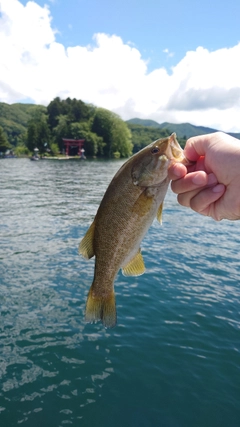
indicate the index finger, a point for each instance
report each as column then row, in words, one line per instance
column 197, row 146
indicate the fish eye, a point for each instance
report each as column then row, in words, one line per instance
column 155, row 150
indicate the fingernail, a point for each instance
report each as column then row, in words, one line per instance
column 177, row 171
column 218, row 188
column 199, row 179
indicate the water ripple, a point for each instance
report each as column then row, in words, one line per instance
column 172, row 360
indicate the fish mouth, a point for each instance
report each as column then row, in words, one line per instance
column 177, row 151
column 186, row 162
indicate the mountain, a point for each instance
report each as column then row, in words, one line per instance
column 142, row 122
column 183, row 130
column 14, row 118
column 186, row 130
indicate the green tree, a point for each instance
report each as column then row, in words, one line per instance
column 93, row 142
column 54, row 111
column 22, row 139
column 77, row 129
column 144, row 135
column 75, row 110
column 44, row 138
column 102, row 127
column 121, row 139
column 62, row 130
column 14, row 119
column 54, row 149
column 4, row 144
column 79, row 111
column 21, row 150
column 114, row 132
column 38, row 135
column 32, row 136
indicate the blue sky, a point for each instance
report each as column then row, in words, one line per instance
column 152, row 26
column 175, row 60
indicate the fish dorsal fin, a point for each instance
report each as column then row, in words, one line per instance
column 159, row 213
column 135, row 267
column 86, row 244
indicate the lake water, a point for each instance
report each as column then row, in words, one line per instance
column 173, row 360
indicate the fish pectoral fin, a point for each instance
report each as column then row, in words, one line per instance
column 86, row 244
column 101, row 308
column 159, row 213
column 135, row 267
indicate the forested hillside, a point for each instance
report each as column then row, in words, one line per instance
column 144, row 135
column 27, row 126
column 183, row 130
column 14, row 119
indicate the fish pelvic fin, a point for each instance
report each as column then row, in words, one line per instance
column 159, row 213
column 101, row 308
column 135, row 267
column 86, row 244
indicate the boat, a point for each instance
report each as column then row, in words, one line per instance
column 9, row 155
column 35, row 156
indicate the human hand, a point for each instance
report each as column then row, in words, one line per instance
column 211, row 186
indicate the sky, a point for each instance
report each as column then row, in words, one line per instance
column 170, row 61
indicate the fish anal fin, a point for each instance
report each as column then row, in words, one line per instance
column 159, row 213
column 86, row 244
column 101, row 308
column 135, row 267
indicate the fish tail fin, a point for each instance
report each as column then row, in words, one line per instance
column 101, row 308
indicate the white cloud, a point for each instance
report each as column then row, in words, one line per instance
column 169, row 54
column 203, row 88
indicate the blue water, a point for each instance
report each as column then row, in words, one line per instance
column 174, row 358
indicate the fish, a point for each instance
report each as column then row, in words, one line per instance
column 132, row 200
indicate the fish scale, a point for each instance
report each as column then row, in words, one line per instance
column 132, row 200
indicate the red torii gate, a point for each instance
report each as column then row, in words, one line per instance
column 74, row 143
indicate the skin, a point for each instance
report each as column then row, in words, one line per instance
column 211, row 185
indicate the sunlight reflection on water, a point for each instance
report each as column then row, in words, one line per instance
column 172, row 360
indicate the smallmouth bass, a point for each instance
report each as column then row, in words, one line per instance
column 132, row 200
